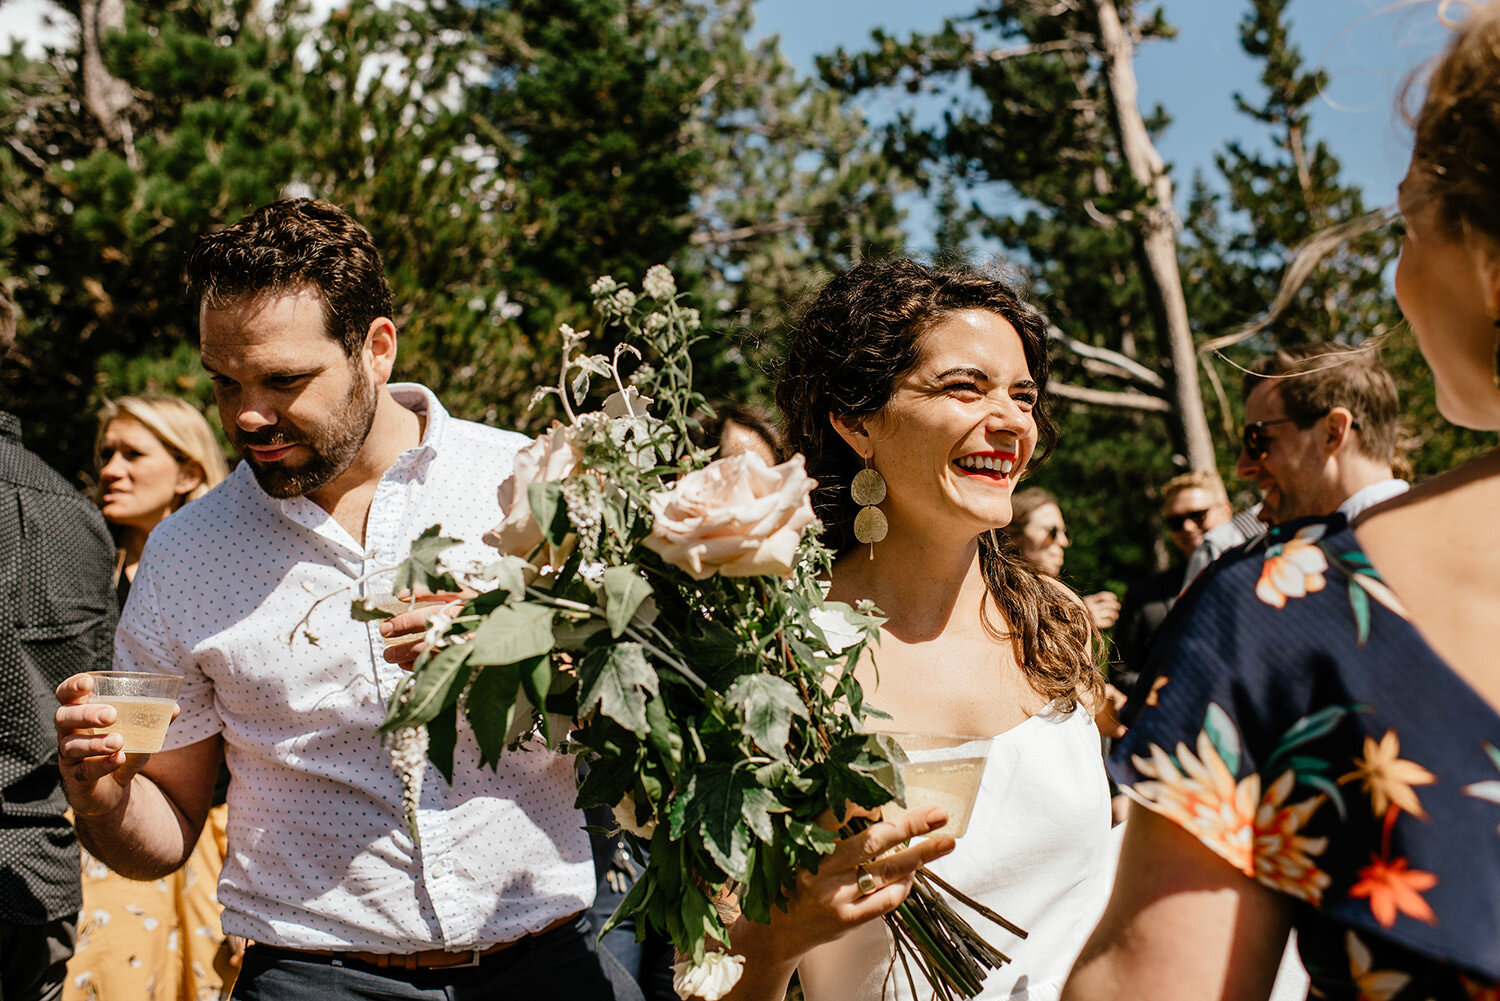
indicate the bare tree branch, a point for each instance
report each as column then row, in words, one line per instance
column 26, row 153
column 748, row 232
column 1104, row 398
column 1126, row 366
column 982, row 56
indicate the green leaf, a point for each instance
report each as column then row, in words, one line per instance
column 432, row 683
column 1310, row 728
column 1493, row 753
column 536, row 682
column 756, row 808
column 442, row 738
column 700, row 920
column 607, row 781
column 715, row 808
column 1359, row 603
column 1329, row 788
column 635, row 900
column 677, row 817
column 419, row 572
column 549, row 510
column 1224, row 737
column 782, row 775
column 617, row 680
column 664, row 736
column 490, row 707
column 624, row 590
column 850, row 775
column 511, row 634
column 767, row 704
column 360, row 610
column 509, row 574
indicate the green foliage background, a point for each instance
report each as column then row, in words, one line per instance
column 504, row 153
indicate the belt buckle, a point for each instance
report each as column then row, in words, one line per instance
column 475, row 955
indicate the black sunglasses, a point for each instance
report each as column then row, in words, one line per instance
column 1257, row 443
column 1176, row 522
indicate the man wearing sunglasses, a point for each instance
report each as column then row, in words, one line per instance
column 1320, row 432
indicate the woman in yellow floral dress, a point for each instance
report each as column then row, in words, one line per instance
column 1323, row 746
column 161, row 940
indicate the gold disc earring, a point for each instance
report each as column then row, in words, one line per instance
column 868, row 489
column 1497, row 354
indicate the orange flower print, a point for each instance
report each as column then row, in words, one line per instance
column 1294, row 568
column 1391, row 887
column 1389, row 778
column 1478, row 991
column 1373, row 985
column 1153, row 697
column 1283, row 857
column 1203, row 798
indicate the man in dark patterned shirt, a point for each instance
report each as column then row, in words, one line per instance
column 57, row 617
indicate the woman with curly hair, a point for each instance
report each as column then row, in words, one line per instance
column 918, row 397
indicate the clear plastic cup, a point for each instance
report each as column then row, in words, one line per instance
column 939, row 770
column 143, row 706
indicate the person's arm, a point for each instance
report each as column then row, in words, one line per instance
column 827, row 904
column 1181, row 925
column 139, row 814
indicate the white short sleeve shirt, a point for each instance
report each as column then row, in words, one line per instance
column 319, row 856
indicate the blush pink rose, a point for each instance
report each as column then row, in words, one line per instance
column 736, row 516
column 554, row 455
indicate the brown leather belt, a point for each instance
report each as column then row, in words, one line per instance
column 431, row 959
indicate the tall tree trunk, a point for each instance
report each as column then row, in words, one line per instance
column 1163, row 282
column 106, row 97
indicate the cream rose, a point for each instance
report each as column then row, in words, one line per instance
column 552, row 456
column 711, row 979
column 736, row 516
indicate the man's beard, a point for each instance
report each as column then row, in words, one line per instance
column 333, row 445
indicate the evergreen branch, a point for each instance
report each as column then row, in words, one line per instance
column 983, row 57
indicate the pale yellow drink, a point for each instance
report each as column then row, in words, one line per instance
column 141, row 721
column 143, row 706
column 951, row 783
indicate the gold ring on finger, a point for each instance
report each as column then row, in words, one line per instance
column 866, row 883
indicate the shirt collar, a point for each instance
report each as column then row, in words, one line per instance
column 421, row 401
column 413, row 463
column 1369, row 496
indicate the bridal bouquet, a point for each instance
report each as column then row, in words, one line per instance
column 658, row 612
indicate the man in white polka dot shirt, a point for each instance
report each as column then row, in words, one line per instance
column 341, row 470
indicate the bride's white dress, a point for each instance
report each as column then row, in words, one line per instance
column 1038, row 850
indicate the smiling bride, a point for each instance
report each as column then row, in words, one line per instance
column 917, row 396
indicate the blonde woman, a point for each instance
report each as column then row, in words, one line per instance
column 158, row 940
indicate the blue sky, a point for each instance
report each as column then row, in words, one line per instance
column 1367, row 46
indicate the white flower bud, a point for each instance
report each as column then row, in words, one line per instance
column 711, row 979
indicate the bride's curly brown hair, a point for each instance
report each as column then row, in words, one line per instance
column 856, row 340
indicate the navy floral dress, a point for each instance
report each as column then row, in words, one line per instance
column 1302, row 729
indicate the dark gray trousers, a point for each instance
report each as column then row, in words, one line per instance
column 558, row 964
column 34, row 959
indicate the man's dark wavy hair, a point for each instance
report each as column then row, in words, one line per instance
column 288, row 246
